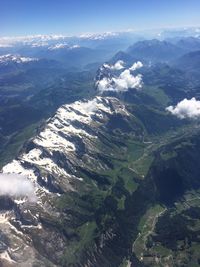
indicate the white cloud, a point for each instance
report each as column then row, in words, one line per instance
column 16, row 185
column 117, row 66
column 136, row 65
column 122, row 82
column 186, row 109
column 126, row 80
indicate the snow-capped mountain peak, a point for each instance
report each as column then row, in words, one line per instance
column 62, row 46
column 54, row 161
column 78, row 121
column 100, row 36
column 16, row 59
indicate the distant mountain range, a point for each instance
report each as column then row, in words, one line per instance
column 154, row 51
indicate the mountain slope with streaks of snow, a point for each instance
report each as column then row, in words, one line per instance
column 64, row 162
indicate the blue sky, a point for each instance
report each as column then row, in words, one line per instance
column 22, row 17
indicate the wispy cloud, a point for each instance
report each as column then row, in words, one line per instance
column 187, row 108
column 16, row 185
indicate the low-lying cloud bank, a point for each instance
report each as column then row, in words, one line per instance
column 16, row 185
column 187, row 108
column 122, row 82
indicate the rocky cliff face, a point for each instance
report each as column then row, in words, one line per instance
column 68, row 163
